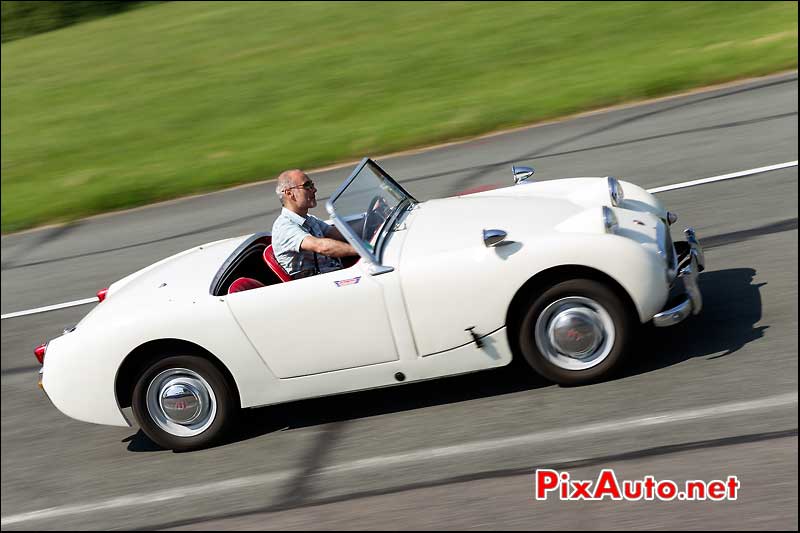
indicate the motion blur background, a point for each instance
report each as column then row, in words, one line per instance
column 107, row 105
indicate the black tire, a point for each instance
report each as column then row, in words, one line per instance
column 184, row 371
column 591, row 299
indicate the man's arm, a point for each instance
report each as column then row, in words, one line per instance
column 334, row 233
column 327, row 246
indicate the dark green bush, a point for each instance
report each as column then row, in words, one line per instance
column 25, row 18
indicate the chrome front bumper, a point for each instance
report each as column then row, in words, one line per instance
column 691, row 261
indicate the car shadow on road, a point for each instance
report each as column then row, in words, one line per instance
column 341, row 408
column 731, row 308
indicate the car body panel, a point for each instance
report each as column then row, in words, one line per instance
column 184, row 273
column 444, row 259
column 318, row 324
column 89, row 357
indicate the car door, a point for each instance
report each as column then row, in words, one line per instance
column 323, row 323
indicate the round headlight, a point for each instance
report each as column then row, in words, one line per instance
column 615, row 191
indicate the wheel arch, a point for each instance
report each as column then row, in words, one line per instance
column 547, row 278
column 145, row 354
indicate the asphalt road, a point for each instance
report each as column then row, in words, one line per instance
column 714, row 396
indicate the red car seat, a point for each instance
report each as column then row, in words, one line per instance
column 244, row 284
column 272, row 263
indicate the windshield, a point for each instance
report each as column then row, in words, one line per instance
column 366, row 201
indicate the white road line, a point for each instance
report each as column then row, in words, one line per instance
column 154, row 497
column 51, row 307
column 712, row 179
column 419, row 456
column 613, row 426
column 723, row 177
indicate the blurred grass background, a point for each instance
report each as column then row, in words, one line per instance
column 177, row 98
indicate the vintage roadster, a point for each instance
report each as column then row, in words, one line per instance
column 557, row 273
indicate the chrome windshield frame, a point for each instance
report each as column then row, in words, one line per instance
column 374, row 265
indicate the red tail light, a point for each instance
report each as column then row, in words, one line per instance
column 101, row 294
column 39, row 353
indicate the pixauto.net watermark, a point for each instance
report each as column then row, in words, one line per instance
column 550, row 483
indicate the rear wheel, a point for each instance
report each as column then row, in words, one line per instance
column 183, row 403
column 576, row 332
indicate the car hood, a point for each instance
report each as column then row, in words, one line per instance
column 524, row 211
column 443, row 225
column 584, row 192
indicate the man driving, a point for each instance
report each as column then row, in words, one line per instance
column 303, row 244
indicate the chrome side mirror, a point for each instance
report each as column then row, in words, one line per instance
column 521, row 174
column 494, row 237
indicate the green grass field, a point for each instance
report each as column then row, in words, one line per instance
column 185, row 97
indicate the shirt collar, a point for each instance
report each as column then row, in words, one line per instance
column 294, row 217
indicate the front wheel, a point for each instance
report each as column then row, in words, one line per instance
column 576, row 332
column 183, row 403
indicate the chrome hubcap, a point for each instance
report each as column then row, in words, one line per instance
column 575, row 333
column 181, row 402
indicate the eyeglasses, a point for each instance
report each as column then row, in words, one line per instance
column 308, row 185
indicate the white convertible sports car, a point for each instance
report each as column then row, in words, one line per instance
column 558, row 273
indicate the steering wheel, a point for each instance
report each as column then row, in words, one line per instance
column 376, row 214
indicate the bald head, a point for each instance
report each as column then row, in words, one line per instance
column 291, row 192
column 286, row 179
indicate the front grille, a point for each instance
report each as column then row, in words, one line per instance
column 667, row 251
column 672, row 260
